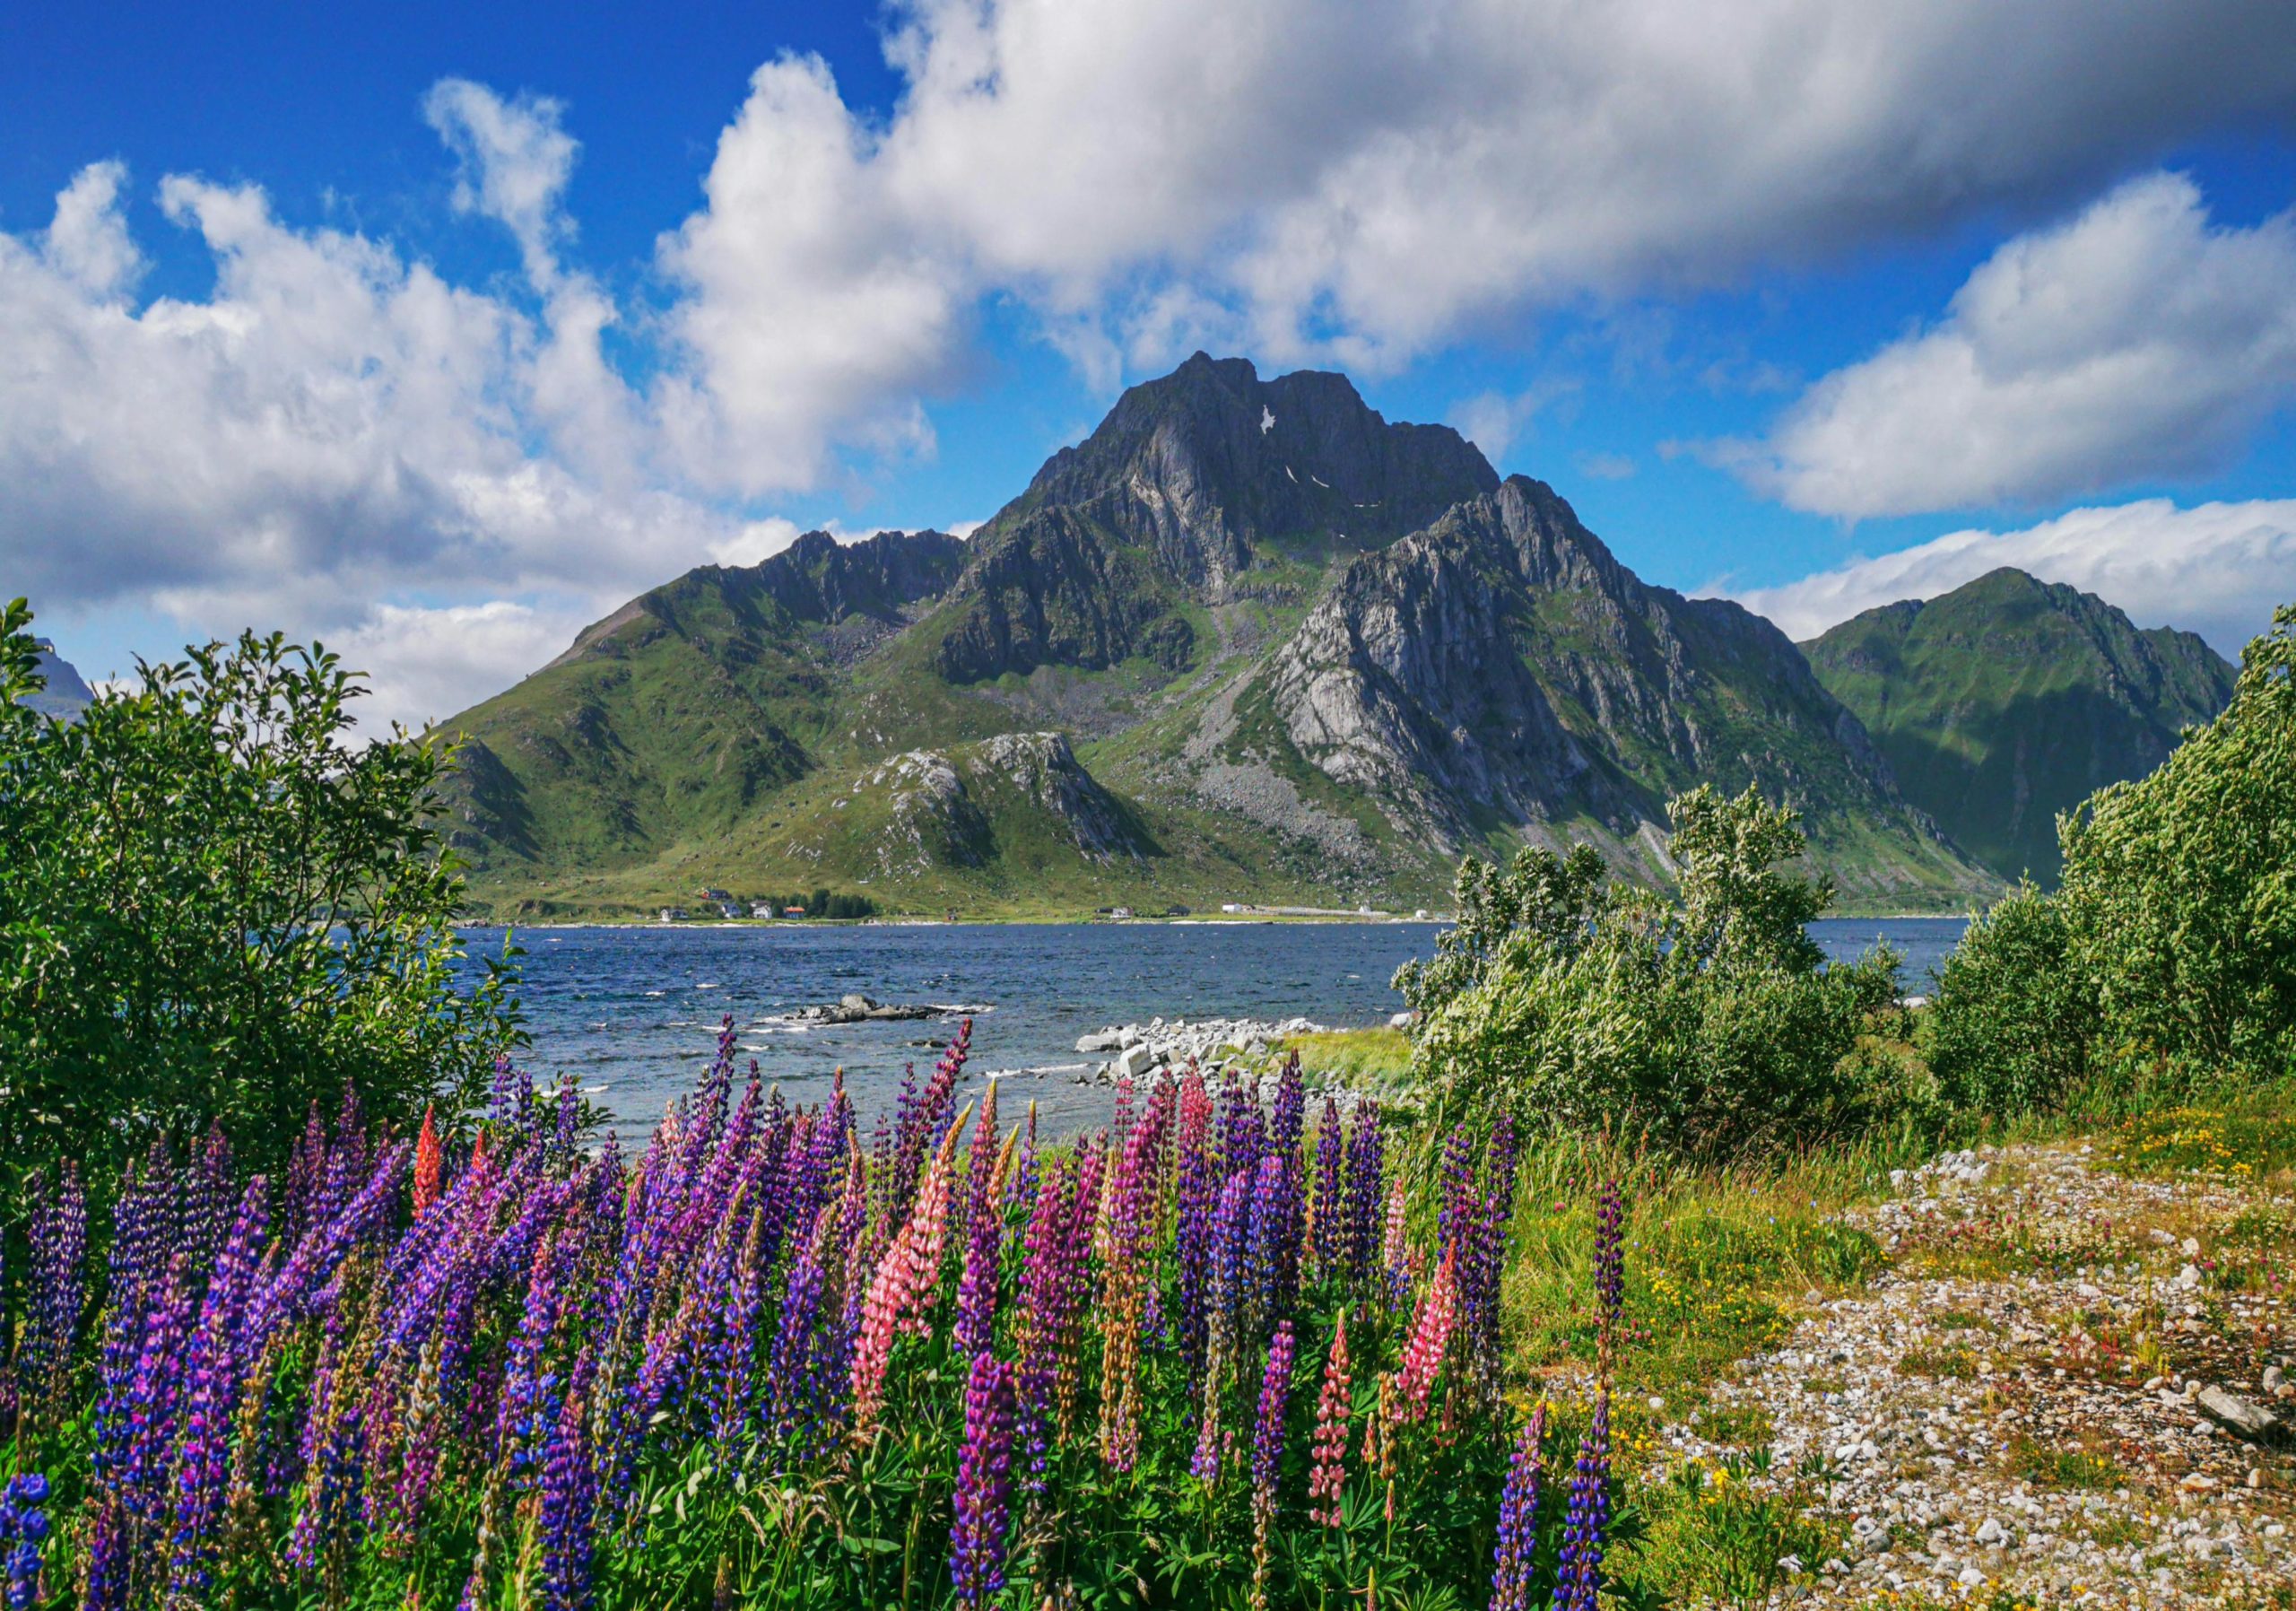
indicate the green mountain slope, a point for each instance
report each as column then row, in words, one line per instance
column 2009, row 700
column 1248, row 641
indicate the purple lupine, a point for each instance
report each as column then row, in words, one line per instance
column 1366, row 1191
column 1325, row 1213
column 1610, row 1269
column 1518, row 1532
column 1264, row 1237
column 796, row 1380
column 23, row 1528
column 569, row 1503
column 982, row 1501
column 58, row 1235
column 1267, row 1454
column 1486, row 1260
column 983, row 1230
column 1198, row 1198
column 212, row 1377
column 1040, row 1313
column 105, row 1549
column 1267, row 1431
column 1580, row 1570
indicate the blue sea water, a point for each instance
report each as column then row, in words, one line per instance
column 633, row 1013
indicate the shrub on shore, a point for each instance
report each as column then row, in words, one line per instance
column 1707, row 1022
column 216, row 907
column 2167, row 956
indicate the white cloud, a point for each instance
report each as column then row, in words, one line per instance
column 1495, row 421
column 422, row 663
column 1606, row 467
column 1362, row 183
column 331, row 432
column 2217, row 569
column 2135, row 342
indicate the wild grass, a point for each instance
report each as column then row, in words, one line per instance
column 1375, row 1060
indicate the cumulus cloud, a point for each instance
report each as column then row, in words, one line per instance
column 2137, row 341
column 2216, row 569
column 1363, row 183
column 334, row 430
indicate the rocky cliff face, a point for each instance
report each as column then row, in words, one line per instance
column 968, row 806
column 2009, row 700
column 1502, row 669
column 1190, row 482
column 67, row 693
column 1308, row 653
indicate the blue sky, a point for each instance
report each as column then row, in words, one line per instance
column 437, row 330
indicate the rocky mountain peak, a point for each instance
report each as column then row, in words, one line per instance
column 1209, row 462
column 67, row 693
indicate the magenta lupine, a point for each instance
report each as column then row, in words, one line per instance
column 1328, row 1473
column 1586, row 1525
column 1519, row 1529
column 983, row 1498
column 1051, row 1277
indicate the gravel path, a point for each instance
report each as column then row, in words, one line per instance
column 2011, row 1410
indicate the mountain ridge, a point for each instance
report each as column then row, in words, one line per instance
column 1297, row 652
column 2009, row 700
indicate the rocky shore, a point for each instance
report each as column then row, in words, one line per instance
column 1138, row 1050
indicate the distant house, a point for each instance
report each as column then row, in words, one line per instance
column 732, row 908
column 1119, row 911
column 1232, row 905
column 717, row 895
column 673, row 914
column 793, row 911
column 762, row 909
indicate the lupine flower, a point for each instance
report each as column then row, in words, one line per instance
column 1580, row 1570
column 1366, row 1192
column 58, row 1235
column 984, row 1228
column 901, row 1286
column 428, row 1162
column 1519, row 1533
column 1267, row 1451
column 983, row 1486
column 1327, row 1216
column 1430, row 1339
column 23, row 1528
column 1610, row 1269
column 1328, row 1475
column 568, row 1507
column 1396, row 1250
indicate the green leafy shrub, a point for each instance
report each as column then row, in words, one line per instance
column 2166, row 962
column 2180, row 887
column 214, row 907
column 2009, row 1029
column 1709, row 1023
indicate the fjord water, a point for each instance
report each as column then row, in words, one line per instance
column 633, row 1013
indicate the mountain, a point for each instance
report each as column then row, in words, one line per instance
column 2009, row 700
column 1248, row 640
column 67, row 693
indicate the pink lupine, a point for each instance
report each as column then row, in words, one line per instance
column 1430, row 1339
column 1328, row 1475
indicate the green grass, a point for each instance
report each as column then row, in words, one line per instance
column 1365, row 1059
column 2081, row 1468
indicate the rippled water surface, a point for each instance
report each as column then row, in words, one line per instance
column 633, row 1011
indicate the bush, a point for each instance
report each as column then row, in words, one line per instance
column 2166, row 962
column 216, row 909
column 2180, row 887
column 2010, row 1028
column 1709, row 1023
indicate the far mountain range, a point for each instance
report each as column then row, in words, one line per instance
column 1249, row 643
